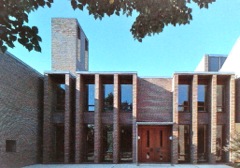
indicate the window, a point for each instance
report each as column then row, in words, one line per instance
column 108, row 142
column 220, row 98
column 215, row 63
column 90, row 97
column 202, row 143
column 79, row 33
column 108, row 97
column 183, row 143
column 60, row 104
column 59, row 142
column 219, row 143
column 183, row 98
column 89, row 142
column 126, row 97
column 86, row 45
column 10, row 145
column 202, row 97
column 126, row 143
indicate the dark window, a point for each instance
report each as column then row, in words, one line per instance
column 89, row 142
column 183, row 98
column 108, row 142
column 220, row 98
column 202, row 97
column 108, row 97
column 126, row 143
column 59, row 143
column 90, row 97
column 86, row 45
column 60, row 104
column 202, row 143
column 183, row 143
column 79, row 32
column 219, row 143
column 215, row 63
column 11, row 146
column 126, row 97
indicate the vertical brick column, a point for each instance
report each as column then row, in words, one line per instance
column 47, row 124
column 67, row 117
column 79, row 123
column 134, row 118
column 116, row 124
column 194, row 133
column 212, row 122
column 174, row 152
column 230, row 109
column 97, row 120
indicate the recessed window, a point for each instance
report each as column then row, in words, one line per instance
column 183, row 98
column 126, row 143
column 10, row 145
column 86, row 45
column 220, row 98
column 107, row 137
column 126, row 97
column 184, row 143
column 79, row 33
column 90, row 97
column 108, row 97
column 202, row 97
column 89, row 130
column 202, row 143
column 60, row 97
column 219, row 143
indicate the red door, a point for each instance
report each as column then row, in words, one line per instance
column 154, row 144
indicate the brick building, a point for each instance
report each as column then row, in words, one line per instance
column 21, row 111
column 77, row 116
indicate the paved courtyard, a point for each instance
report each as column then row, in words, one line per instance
column 127, row 166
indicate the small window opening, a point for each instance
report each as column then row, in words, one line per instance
column 79, row 33
column 10, row 145
column 86, row 45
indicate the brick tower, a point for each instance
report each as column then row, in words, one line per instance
column 69, row 46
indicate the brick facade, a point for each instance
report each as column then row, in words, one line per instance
column 21, row 112
column 69, row 46
column 80, row 116
column 151, row 106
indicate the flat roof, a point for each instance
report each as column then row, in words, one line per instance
column 58, row 72
column 107, row 72
column 204, row 73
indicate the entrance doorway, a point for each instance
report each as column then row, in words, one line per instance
column 154, row 144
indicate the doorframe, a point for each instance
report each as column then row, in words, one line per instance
column 150, row 124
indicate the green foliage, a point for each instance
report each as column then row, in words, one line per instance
column 13, row 23
column 234, row 147
column 153, row 16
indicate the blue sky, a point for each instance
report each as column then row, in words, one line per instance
column 112, row 47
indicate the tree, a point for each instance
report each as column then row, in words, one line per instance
column 234, row 148
column 153, row 16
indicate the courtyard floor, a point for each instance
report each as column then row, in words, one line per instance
column 128, row 166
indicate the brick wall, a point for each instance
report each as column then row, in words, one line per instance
column 69, row 50
column 154, row 99
column 20, row 110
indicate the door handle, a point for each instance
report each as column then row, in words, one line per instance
column 157, row 149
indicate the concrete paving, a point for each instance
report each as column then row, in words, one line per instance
column 128, row 166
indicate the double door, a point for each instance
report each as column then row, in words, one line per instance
column 154, row 144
